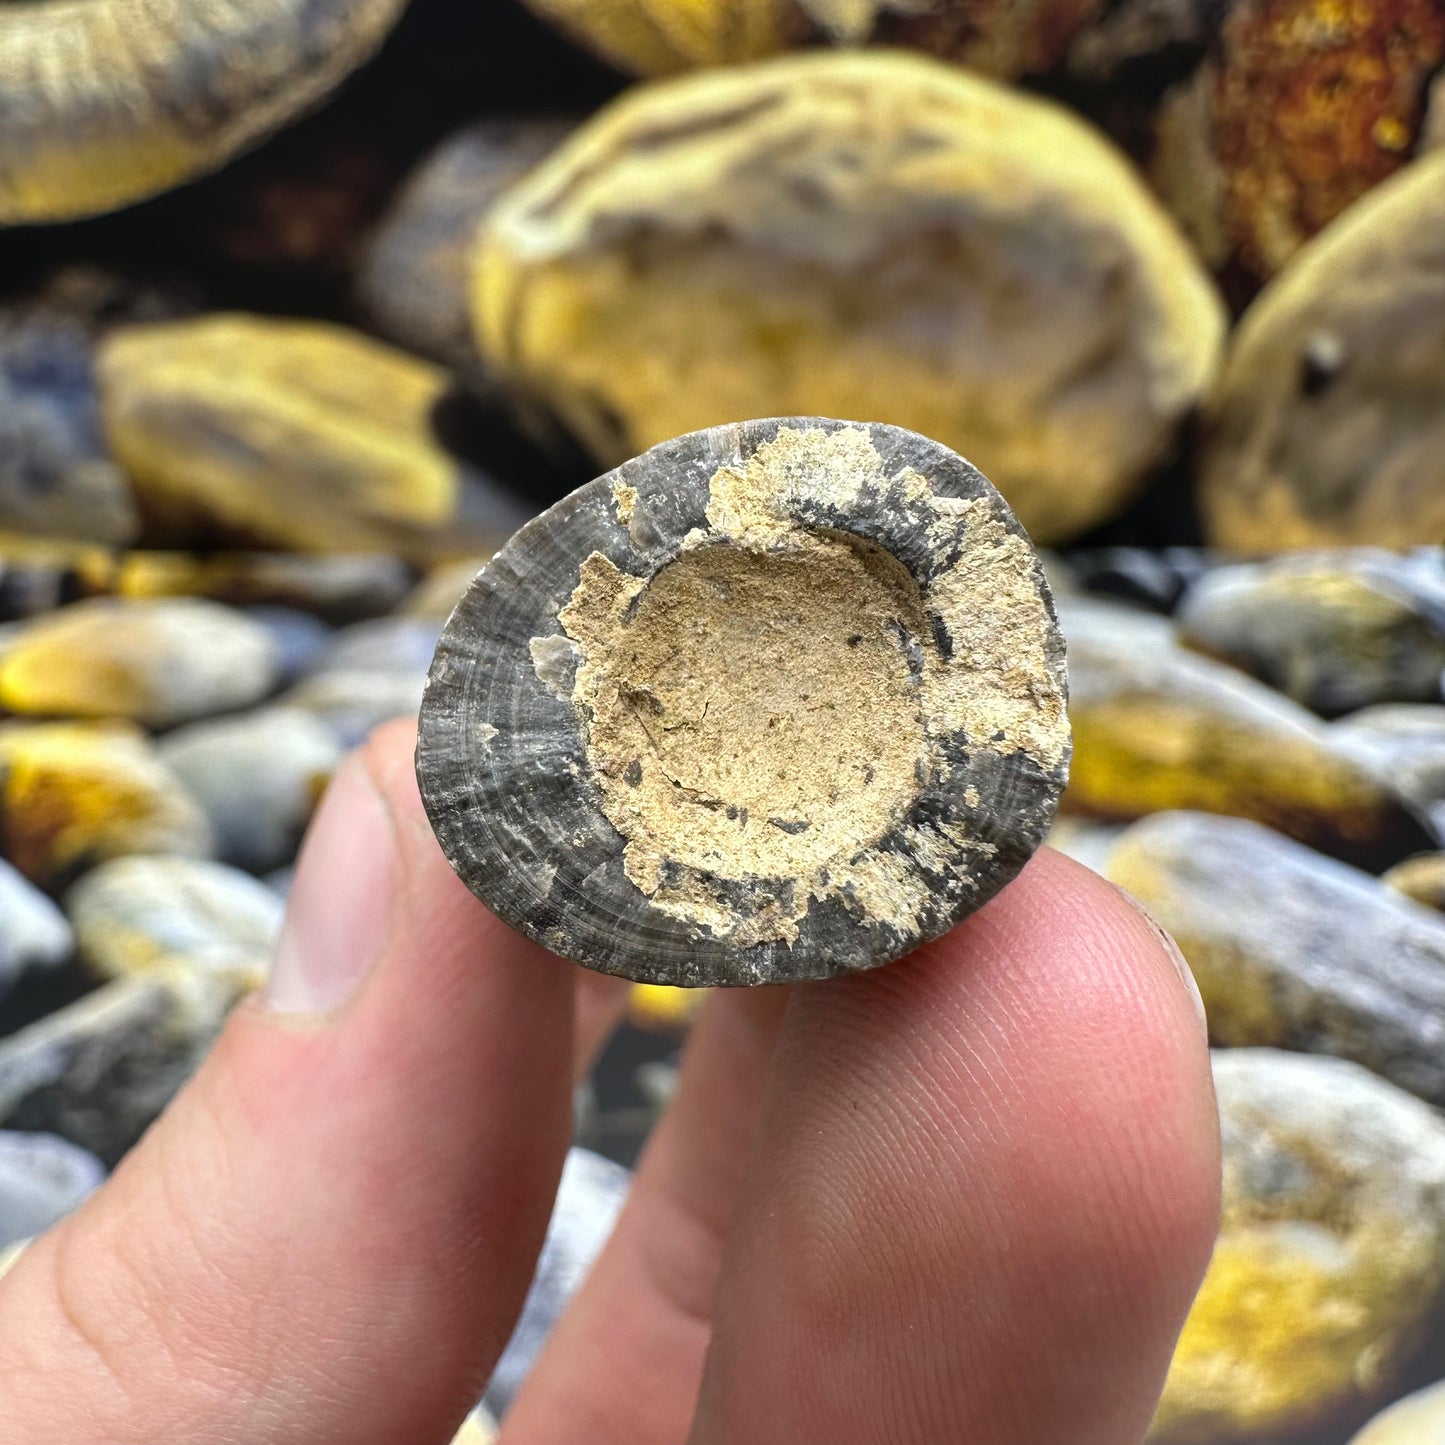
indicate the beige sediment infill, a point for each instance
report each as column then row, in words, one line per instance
column 107, row 102
column 768, row 705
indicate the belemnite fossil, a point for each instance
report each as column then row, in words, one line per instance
column 771, row 702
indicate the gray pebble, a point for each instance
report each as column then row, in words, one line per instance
column 42, row 1179
column 258, row 777
column 33, row 931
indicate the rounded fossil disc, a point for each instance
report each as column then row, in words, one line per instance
column 770, row 702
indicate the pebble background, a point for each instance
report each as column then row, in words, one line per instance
column 258, row 433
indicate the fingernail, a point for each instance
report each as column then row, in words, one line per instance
column 1181, row 964
column 340, row 906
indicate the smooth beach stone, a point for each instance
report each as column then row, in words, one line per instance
column 1293, row 949
column 1419, row 1419
column 1421, row 878
column 1335, row 631
column 107, row 103
column 57, row 477
column 1331, row 1254
column 1406, row 743
column 1157, row 727
column 867, row 234
column 338, row 588
column 293, row 434
column 386, row 644
column 74, row 794
column 135, row 916
column 1297, row 110
column 353, row 703
column 442, row 588
column 258, row 777
column 1327, row 427
column 158, row 662
column 589, row 1199
column 414, row 280
column 1085, row 842
column 1155, row 578
column 774, row 701
column 42, row 1179
column 34, row 933
column 99, row 1071
column 301, row 639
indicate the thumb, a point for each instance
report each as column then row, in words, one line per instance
column 329, row 1235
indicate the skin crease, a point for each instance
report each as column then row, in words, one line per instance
column 967, row 1197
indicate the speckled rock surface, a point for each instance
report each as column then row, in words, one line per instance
column 42, row 1179
column 1158, row 727
column 258, row 777
column 770, row 702
column 136, row 916
column 415, row 278
column 870, row 235
column 589, row 1199
column 291, row 434
column 1417, row 1420
column 73, row 794
column 34, row 933
column 99, row 1071
column 1298, row 109
column 1293, row 949
column 157, row 662
column 1335, row 631
column 1331, row 1254
column 1325, row 428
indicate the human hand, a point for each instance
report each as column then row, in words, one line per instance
column 966, row 1198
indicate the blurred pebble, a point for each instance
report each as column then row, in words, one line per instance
column 1331, row 1255
column 258, row 777
column 659, row 1007
column 1149, row 577
column 99, row 1071
column 353, row 704
column 56, row 475
column 1406, row 743
column 1157, row 727
column 339, row 588
column 1326, row 427
column 293, row 434
column 657, row 1082
column 589, row 1199
column 1335, row 631
column 1085, row 842
column 74, row 794
column 413, row 283
column 1416, row 1420
column 1421, row 878
column 479, row 1429
column 10, row 1257
column 157, row 662
column 34, row 933
column 42, row 1179
column 137, row 915
column 300, row 638
column 1293, row 949
column 862, row 234
column 441, row 589
column 389, row 644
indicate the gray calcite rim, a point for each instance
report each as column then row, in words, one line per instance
column 522, row 761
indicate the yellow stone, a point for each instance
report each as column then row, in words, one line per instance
column 73, row 794
column 9, row 1257
column 293, row 434
column 1158, row 728
column 1417, row 1420
column 656, row 37
column 478, row 1430
column 1331, row 1253
column 1421, row 878
column 656, row 1006
column 1327, row 426
column 108, row 102
column 157, row 662
column 868, row 235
